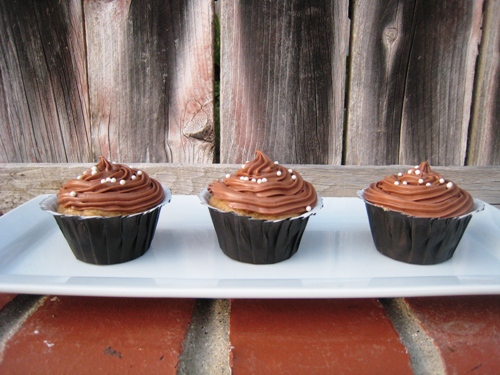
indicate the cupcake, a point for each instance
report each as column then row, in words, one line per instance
column 109, row 214
column 260, row 212
column 418, row 216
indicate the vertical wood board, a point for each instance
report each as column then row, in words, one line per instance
column 283, row 80
column 43, row 100
column 440, row 82
column 484, row 144
column 380, row 51
column 151, row 79
column 411, row 81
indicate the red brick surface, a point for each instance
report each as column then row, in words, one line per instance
column 79, row 335
column 465, row 329
column 314, row 337
column 5, row 299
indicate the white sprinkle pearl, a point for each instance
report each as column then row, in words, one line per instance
column 409, row 171
column 242, row 178
column 417, row 172
column 441, row 180
column 449, row 185
column 254, row 180
column 278, row 173
column 259, row 181
column 428, row 184
column 405, row 182
column 108, row 178
column 400, row 174
column 133, row 177
column 396, row 182
column 139, row 173
column 93, row 172
column 420, row 181
column 264, row 179
column 73, row 194
column 416, row 166
column 228, row 175
column 294, row 177
column 79, row 177
column 103, row 181
column 122, row 182
column 243, row 166
column 113, row 180
column 290, row 170
column 276, row 162
column 308, row 208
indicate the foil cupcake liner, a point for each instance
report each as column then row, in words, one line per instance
column 415, row 240
column 254, row 241
column 107, row 240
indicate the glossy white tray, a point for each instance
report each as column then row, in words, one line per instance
column 336, row 259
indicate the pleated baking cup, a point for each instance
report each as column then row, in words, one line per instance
column 107, row 240
column 254, row 241
column 416, row 240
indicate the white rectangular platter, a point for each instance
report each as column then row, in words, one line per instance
column 336, row 259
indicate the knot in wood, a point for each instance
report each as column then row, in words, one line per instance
column 390, row 35
column 197, row 124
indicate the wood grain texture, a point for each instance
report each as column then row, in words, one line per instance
column 43, row 85
column 411, row 81
column 380, row 51
column 21, row 182
column 484, row 144
column 283, row 80
column 133, row 80
column 151, row 79
column 440, row 80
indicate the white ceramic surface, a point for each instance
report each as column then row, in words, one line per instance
column 336, row 259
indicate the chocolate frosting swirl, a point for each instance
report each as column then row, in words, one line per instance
column 420, row 192
column 111, row 188
column 265, row 187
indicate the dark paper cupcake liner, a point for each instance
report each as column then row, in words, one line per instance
column 414, row 240
column 249, row 240
column 107, row 240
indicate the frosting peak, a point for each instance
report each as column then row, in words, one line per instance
column 420, row 192
column 265, row 187
column 111, row 188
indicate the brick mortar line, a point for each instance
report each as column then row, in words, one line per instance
column 425, row 357
column 14, row 314
column 206, row 348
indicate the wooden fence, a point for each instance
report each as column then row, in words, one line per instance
column 309, row 82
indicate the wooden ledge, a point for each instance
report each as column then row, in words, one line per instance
column 22, row 182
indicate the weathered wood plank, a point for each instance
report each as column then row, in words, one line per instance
column 484, row 144
column 411, row 81
column 21, row 182
column 43, row 86
column 283, row 79
column 438, row 92
column 380, row 49
column 151, row 79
